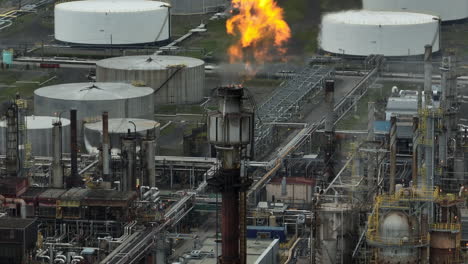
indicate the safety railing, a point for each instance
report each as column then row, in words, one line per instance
column 452, row 227
column 397, row 242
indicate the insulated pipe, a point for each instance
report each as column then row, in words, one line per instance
column 73, row 148
column 17, row 201
column 57, row 171
column 105, row 145
column 393, row 150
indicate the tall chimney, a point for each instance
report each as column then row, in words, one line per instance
column 105, row 145
column 74, row 180
column 57, row 170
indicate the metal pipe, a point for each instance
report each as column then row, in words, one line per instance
column 330, row 100
column 415, row 151
column 74, row 181
column 427, row 74
column 105, row 145
column 57, row 171
column 393, row 150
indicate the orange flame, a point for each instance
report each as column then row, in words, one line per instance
column 261, row 29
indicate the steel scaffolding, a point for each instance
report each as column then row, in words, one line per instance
column 286, row 101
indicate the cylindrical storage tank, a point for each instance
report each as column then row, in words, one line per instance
column 112, row 22
column 191, row 7
column 396, row 228
column 118, row 127
column 362, row 33
column 39, row 135
column 176, row 80
column 91, row 99
column 448, row 10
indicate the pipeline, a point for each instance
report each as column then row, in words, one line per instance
column 17, row 201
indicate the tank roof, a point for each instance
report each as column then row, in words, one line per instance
column 150, row 62
column 112, row 6
column 122, row 125
column 93, row 91
column 41, row 122
column 384, row 18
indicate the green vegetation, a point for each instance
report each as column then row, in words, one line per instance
column 9, row 79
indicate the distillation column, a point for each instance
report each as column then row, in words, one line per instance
column 230, row 129
column 12, row 151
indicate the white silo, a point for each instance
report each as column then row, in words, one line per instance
column 112, row 22
column 39, row 135
column 447, row 10
column 92, row 99
column 175, row 79
column 362, row 33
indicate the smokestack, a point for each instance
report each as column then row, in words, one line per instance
column 393, row 141
column 105, row 145
column 330, row 100
column 74, row 148
column 57, row 170
column 427, row 74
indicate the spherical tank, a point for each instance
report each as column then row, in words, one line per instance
column 92, row 99
column 191, row 7
column 112, row 22
column 39, row 135
column 396, row 228
column 176, row 80
column 362, row 33
column 447, row 10
column 118, row 127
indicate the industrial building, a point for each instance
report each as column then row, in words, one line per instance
column 362, row 33
column 129, row 136
column 112, row 22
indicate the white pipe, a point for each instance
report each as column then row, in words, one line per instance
column 19, row 201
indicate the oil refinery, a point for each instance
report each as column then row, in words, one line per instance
column 234, row 132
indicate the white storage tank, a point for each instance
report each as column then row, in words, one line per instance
column 118, row 127
column 192, row 7
column 39, row 135
column 92, row 99
column 112, row 22
column 362, row 33
column 176, row 80
column 447, row 10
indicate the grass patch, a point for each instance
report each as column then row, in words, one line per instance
column 26, row 90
